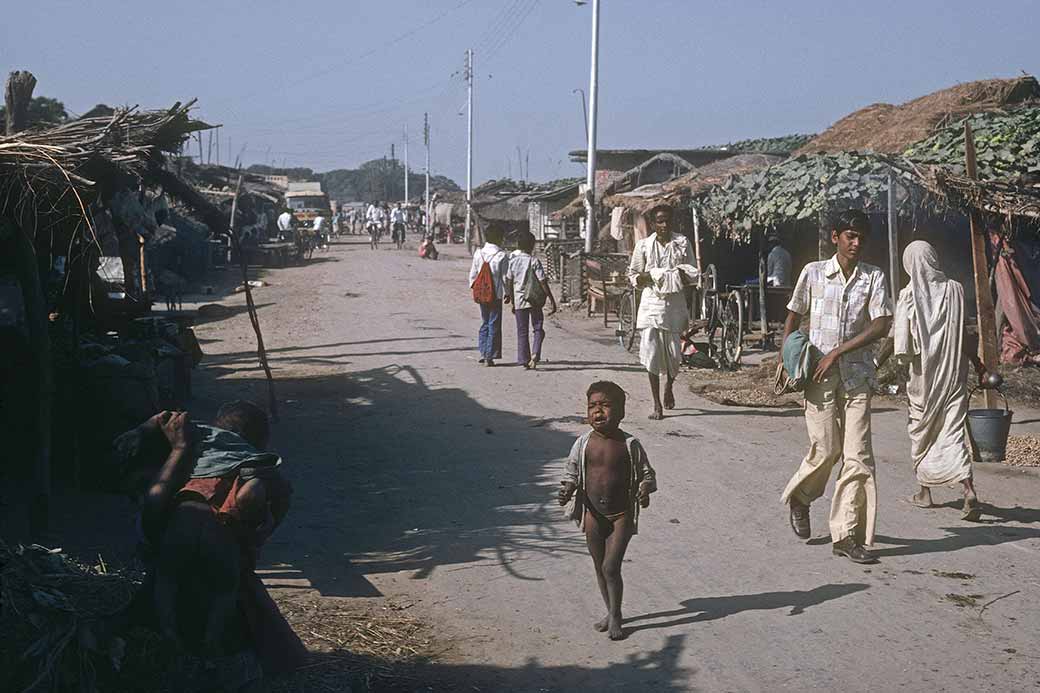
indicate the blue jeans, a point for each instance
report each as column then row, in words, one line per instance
column 489, row 339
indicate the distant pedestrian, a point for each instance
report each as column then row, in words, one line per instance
column 397, row 225
column 487, row 279
column 662, row 265
column 778, row 263
column 930, row 338
column 846, row 302
column 528, row 291
column 607, row 478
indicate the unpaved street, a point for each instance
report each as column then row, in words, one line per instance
column 423, row 477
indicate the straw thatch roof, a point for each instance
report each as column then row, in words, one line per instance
column 676, row 191
column 889, row 129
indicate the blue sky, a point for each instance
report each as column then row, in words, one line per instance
column 331, row 84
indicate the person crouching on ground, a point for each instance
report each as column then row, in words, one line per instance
column 930, row 338
column 213, row 503
column 487, row 279
column 848, row 308
column 527, row 291
column 607, row 478
column 661, row 267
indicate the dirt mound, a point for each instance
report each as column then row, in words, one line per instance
column 885, row 128
column 750, row 386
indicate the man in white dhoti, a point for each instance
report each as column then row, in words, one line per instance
column 930, row 339
column 662, row 266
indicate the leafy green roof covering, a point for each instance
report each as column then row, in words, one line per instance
column 767, row 145
column 1007, row 144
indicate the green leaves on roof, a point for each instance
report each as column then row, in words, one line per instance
column 1007, row 144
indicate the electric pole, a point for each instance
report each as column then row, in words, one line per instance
column 406, row 198
column 393, row 168
column 469, row 146
column 590, row 178
column 426, row 141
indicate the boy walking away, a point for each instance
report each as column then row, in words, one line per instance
column 527, row 290
column 848, row 308
column 608, row 478
column 487, row 279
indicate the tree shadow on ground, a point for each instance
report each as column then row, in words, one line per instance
column 341, row 670
column 391, row 475
column 713, row 608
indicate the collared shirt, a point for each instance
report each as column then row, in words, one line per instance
column 285, row 221
column 840, row 309
column 519, row 263
column 374, row 213
column 778, row 267
column 396, row 216
column 499, row 262
column 658, row 309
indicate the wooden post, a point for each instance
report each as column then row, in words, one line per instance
column 762, row 279
column 983, row 298
column 261, row 352
column 826, row 248
column 17, row 97
column 893, row 238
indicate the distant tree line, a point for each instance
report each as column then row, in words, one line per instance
column 43, row 110
column 379, row 179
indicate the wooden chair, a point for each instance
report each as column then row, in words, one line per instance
column 602, row 288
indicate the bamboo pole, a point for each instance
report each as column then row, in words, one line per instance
column 983, row 297
column 261, row 352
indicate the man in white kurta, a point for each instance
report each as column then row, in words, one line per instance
column 662, row 267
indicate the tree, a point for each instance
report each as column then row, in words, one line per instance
column 43, row 110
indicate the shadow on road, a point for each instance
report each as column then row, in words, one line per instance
column 713, row 608
column 650, row 671
column 958, row 538
column 392, row 476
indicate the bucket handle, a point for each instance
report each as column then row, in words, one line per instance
column 973, row 390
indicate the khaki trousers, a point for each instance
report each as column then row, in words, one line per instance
column 839, row 430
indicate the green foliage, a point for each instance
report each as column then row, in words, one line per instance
column 1007, row 144
column 379, row 179
column 767, row 145
column 43, row 110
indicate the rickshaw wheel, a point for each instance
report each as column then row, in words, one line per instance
column 733, row 328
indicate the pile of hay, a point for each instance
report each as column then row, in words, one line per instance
column 749, row 386
column 889, row 129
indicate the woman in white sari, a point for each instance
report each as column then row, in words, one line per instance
column 930, row 339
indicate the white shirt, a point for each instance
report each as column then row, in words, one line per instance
column 374, row 213
column 662, row 309
column 778, row 267
column 499, row 262
column 396, row 216
column 517, row 267
column 839, row 309
column 319, row 222
column 285, row 221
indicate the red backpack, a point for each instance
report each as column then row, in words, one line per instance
column 484, row 285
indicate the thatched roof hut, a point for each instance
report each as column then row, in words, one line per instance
column 888, row 129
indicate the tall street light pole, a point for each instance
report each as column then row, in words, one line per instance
column 406, row 198
column 584, row 110
column 590, row 179
column 469, row 145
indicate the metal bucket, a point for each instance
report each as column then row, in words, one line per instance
column 989, row 429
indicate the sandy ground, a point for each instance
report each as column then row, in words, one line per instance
column 425, row 480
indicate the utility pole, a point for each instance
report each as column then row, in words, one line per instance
column 590, row 178
column 469, row 147
column 393, row 168
column 406, row 198
column 426, row 140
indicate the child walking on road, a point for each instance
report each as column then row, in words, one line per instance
column 527, row 289
column 607, row 478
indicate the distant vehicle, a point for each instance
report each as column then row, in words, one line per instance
column 308, row 201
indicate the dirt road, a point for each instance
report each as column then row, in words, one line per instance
column 426, row 478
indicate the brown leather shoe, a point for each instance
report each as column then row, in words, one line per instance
column 848, row 548
column 800, row 520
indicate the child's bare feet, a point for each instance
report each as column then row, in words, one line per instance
column 614, row 631
column 601, row 625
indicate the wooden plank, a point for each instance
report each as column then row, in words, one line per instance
column 894, row 276
column 987, row 322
